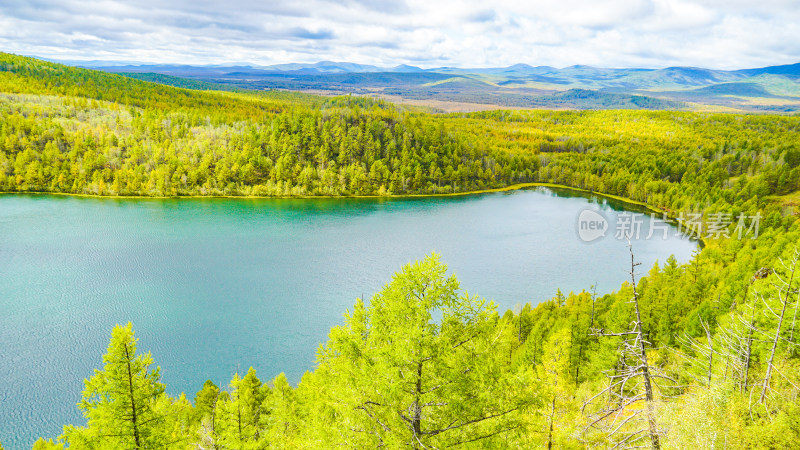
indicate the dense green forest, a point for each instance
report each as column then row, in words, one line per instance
column 79, row 131
column 695, row 355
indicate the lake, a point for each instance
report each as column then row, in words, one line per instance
column 213, row 286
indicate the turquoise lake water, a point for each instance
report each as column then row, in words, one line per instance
column 213, row 286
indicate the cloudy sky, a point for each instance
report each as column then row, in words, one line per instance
column 725, row 34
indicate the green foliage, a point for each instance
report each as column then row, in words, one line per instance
column 398, row 377
column 168, row 80
column 284, row 407
column 423, row 364
column 239, row 415
column 135, row 138
column 106, row 134
column 206, row 400
column 42, row 444
column 121, row 402
column 718, row 417
column 557, row 422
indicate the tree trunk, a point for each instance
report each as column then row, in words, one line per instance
column 710, row 352
column 784, row 303
column 749, row 351
column 134, row 420
column 416, row 419
column 550, row 433
column 239, row 418
column 648, row 388
column 772, row 353
column 794, row 321
column 214, row 422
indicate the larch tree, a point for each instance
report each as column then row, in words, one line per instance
column 205, row 403
column 417, row 368
column 239, row 414
column 121, row 400
column 558, row 388
column 281, row 423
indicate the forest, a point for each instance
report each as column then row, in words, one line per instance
column 696, row 355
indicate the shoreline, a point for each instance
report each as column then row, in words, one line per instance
column 513, row 187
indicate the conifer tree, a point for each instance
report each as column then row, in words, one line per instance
column 120, row 401
column 400, row 377
column 239, row 414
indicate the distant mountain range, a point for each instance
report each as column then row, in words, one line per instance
column 319, row 67
column 774, row 88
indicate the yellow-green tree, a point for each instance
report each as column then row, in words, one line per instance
column 417, row 368
column 121, row 401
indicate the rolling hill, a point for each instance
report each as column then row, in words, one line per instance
column 774, row 88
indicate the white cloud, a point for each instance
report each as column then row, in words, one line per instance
column 610, row 33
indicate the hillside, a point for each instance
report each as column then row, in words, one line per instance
column 178, row 82
column 186, row 142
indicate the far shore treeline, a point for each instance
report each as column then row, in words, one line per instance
column 695, row 355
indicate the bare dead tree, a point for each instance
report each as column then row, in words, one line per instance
column 739, row 336
column 785, row 291
column 700, row 355
column 724, row 355
column 594, row 301
column 773, row 306
column 710, row 350
column 628, row 418
column 747, row 353
column 737, row 339
column 792, row 343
